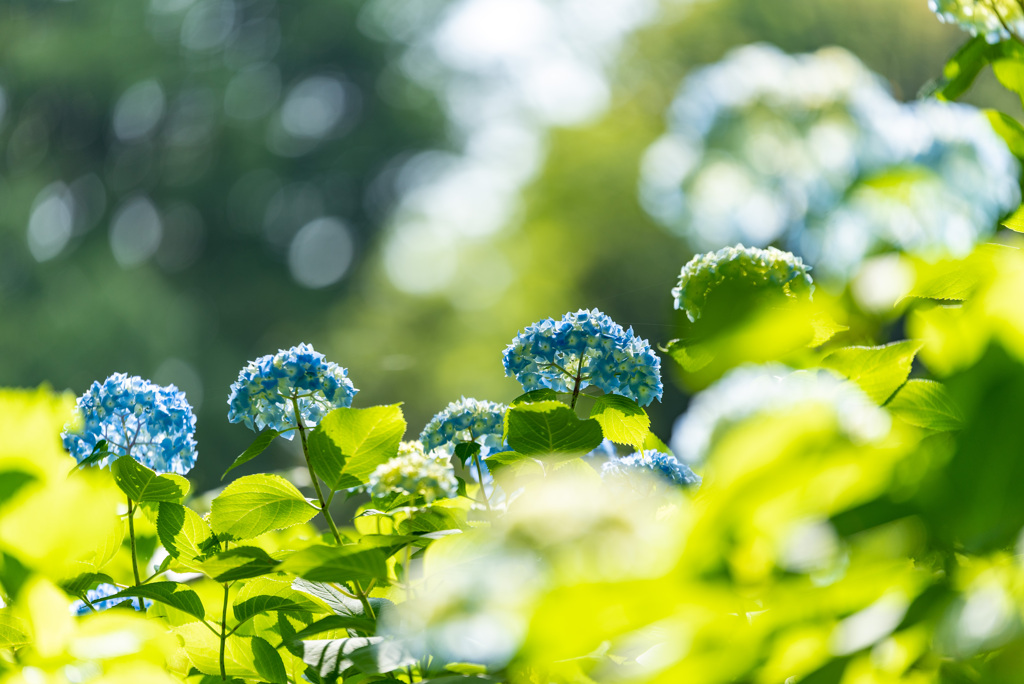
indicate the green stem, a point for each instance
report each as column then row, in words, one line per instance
column 224, row 634
column 576, row 389
column 135, row 560
column 364, row 599
column 480, row 476
column 316, row 481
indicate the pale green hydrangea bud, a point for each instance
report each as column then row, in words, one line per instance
column 415, row 472
column 739, row 264
column 994, row 19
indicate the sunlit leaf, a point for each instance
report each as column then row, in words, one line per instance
column 255, row 504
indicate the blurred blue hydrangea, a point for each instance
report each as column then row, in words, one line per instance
column 770, row 388
column 989, row 18
column 812, row 153
column 662, row 465
column 415, row 472
column 590, row 346
column 154, row 425
column 752, row 265
column 98, row 598
column 467, row 420
column 262, row 396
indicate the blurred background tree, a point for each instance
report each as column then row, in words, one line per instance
column 188, row 184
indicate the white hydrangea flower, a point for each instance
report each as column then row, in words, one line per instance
column 415, row 472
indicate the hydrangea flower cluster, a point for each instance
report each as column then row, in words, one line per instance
column 590, row 346
column 752, row 390
column 813, row 153
column 153, row 424
column 989, row 18
column 768, row 266
column 262, row 396
column 416, row 472
column 665, row 466
column 98, row 598
column 467, row 420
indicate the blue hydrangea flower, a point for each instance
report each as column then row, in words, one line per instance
column 415, row 472
column 588, row 345
column 154, row 425
column 739, row 264
column 262, row 396
column 606, row 450
column 989, row 18
column 467, row 420
column 663, row 465
column 98, row 598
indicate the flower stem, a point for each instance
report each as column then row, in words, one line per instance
column 480, row 476
column 576, row 389
column 224, row 634
column 135, row 560
column 364, row 599
column 316, row 481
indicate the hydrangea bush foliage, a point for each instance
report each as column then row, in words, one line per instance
column 849, row 512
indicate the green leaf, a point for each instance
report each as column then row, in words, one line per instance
column 335, row 622
column 173, row 594
column 76, row 586
column 255, row 504
column 1010, row 73
column 1009, row 129
column 349, row 444
column 550, row 427
column 926, row 404
column 622, row 420
column 330, row 657
column 503, row 459
column 381, row 657
column 14, row 631
column 267, row 662
column 462, row 679
column 433, row 519
column 239, row 563
column 322, row 563
column 142, row 484
column 961, row 70
column 257, row 447
column 263, row 595
column 466, row 668
column 1015, row 221
column 244, row 656
column 530, row 397
column 12, row 481
column 465, row 451
column 185, row 535
column 340, row 603
column 879, row 371
column 99, row 452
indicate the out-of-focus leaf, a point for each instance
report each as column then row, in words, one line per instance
column 926, row 404
column 879, row 371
